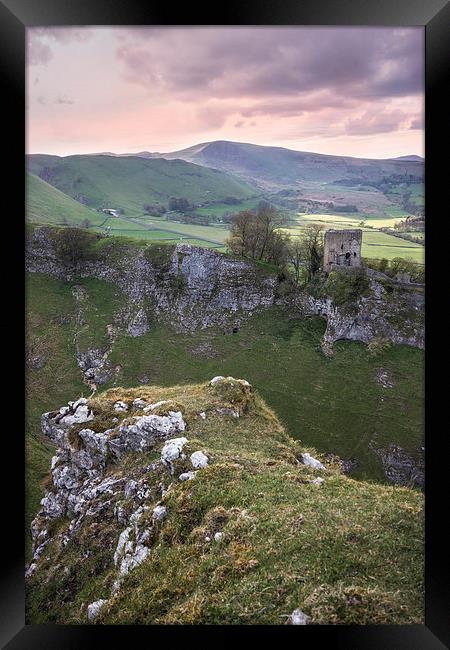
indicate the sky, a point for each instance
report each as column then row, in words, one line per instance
column 353, row 91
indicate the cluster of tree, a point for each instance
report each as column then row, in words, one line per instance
column 178, row 204
column 305, row 253
column 258, row 235
column 155, row 209
column 231, row 200
column 71, row 245
column 384, row 184
column 410, row 223
column 398, row 265
column 401, row 265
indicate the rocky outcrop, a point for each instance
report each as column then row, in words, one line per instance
column 191, row 288
column 155, row 496
column 88, row 482
column 382, row 315
column 402, row 468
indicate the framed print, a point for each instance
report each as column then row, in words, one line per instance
column 228, row 413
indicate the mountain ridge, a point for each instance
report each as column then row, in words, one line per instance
column 272, row 168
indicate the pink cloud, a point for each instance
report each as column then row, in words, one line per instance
column 167, row 88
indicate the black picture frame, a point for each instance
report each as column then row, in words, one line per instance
column 434, row 15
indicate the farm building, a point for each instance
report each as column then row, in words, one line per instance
column 342, row 248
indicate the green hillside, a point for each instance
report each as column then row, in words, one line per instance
column 131, row 182
column 46, row 204
column 283, row 166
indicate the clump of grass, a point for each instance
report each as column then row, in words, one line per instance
column 234, row 392
column 378, row 345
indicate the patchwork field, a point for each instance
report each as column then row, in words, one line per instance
column 376, row 244
column 47, row 204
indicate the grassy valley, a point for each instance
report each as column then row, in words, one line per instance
column 336, row 405
column 72, row 189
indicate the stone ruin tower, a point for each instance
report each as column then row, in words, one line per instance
column 342, row 248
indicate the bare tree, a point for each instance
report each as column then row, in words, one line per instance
column 295, row 257
column 256, row 234
column 306, row 252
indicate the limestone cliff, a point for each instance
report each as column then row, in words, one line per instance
column 191, row 287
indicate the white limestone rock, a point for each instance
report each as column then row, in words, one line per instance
column 145, row 431
column 139, row 403
column 123, row 540
column 298, row 618
column 53, row 504
column 159, row 513
column 152, row 407
column 81, row 413
column 199, row 460
column 120, row 406
column 132, row 558
column 227, row 411
column 312, row 462
column 172, row 451
column 94, row 609
column 187, row 476
column 216, row 380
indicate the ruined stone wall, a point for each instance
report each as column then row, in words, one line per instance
column 342, row 248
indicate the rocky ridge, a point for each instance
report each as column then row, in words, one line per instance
column 85, row 483
column 154, row 492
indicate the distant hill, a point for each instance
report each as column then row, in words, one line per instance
column 412, row 158
column 46, row 204
column 128, row 182
column 282, row 167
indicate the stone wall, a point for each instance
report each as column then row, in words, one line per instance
column 342, row 248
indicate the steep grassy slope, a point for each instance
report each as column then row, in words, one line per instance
column 246, row 542
column 52, row 374
column 46, row 204
column 129, row 183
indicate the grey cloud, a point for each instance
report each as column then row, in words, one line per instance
column 226, row 62
column 39, row 51
column 417, row 123
column 375, row 122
